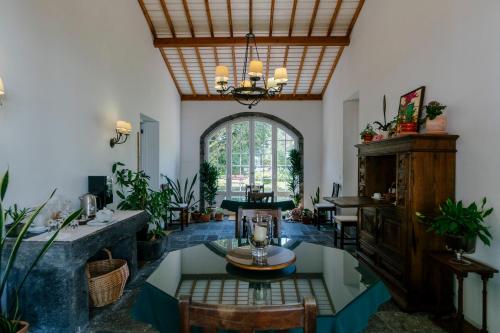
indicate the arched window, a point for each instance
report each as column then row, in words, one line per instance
column 250, row 148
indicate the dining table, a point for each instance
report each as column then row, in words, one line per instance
column 347, row 292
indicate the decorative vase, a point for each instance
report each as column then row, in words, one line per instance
column 460, row 245
column 437, row 125
column 408, row 128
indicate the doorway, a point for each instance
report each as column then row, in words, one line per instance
column 350, row 138
column 149, row 151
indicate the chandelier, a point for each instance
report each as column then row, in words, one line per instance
column 248, row 92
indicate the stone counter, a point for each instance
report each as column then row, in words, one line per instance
column 55, row 296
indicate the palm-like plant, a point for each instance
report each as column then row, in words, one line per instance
column 208, row 179
column 10, row 314
column 183, row 195
column 295, row 177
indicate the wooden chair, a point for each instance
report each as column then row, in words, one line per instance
column 253, row 189
column 247, row 319
column 260, row 197
column 326, row 207
column 250, row 213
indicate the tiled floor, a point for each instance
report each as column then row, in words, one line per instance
column 116, row 318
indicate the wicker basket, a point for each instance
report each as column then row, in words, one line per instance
column 107, row 280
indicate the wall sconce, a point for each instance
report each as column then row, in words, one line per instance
column 123, row 129
column 2, row 92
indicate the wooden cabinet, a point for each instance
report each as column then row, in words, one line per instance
column 392, row 241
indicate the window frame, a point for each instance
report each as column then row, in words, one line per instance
column 251, row 117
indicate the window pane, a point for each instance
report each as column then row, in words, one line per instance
column 240, row 162
column 217, row 156
column 263, row 135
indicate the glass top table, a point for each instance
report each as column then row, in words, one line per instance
column 336, row 279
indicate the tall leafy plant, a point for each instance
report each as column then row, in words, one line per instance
column 295, row 175
column 457, row 219
column 133, row 187
column 11, row 314
column 208, row 179
column 157, row 207
column 183, row 194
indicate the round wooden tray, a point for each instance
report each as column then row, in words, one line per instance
column 277, row 258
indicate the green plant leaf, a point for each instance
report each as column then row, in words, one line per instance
column 4, row 183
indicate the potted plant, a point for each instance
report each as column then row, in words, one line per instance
column 219, row 214
column 206, row 214
column 307, row 216
column 367, row 134
column 17, row 214
column 461, row 225
column 135, row 194
column 10, row 287
column 296, row 214
column 384, row 128
column 183, row 195
column 209, row 175
column 436, row 121
column 195, row 214
column 295, row 176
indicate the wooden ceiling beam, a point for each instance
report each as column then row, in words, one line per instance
column 313, row 18
column 271, row 18
column 290, row 30
column 168, row 18
column 186, row 71
column 334, row 65
column 333, row 20
column 250, row 16
column 170, row 70
column 148, row 18
column 230, row 17
column 282, row 97
column 355, row 17
column 261, row 41
column 316, row 70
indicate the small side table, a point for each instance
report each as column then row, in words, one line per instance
column 183, row 214
column 462, row 271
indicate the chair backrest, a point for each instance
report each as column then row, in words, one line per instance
column 335, row 190
column 253, row 188
column 247, row 319
column 260, row 197
column 250, row 213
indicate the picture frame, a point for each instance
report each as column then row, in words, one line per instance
column 410, row 108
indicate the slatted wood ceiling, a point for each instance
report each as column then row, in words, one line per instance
column 310, row 62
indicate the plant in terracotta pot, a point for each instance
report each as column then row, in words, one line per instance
column 205, row 215
column 307, row 216
column 461, row 225
column 367, row 134
column 10, row 286
column 435, row 120
column 195, row 214
column 295, row 176
column 219, row 214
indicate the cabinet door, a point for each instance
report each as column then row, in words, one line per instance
column 391, row 238
column 368, row 228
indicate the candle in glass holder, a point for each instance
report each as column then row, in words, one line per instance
column 260, row 233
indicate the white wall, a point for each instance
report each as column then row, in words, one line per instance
column 304, row 116
column 71, row 69
column 451, row 47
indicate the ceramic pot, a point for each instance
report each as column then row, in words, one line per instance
column 205, row 217
column 367, row 138
column 219, row 217
column 408, row 127
column 460, row 245
column 437, row 125
column 195, row 216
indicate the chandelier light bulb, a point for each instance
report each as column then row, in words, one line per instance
column 271, row 83
column 255, row 69
column 246, row 84
column 221, row 74
column 280, row 75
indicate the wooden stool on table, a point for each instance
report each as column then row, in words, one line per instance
column 345, row 221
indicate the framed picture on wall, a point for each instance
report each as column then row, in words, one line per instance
column 410, row 107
